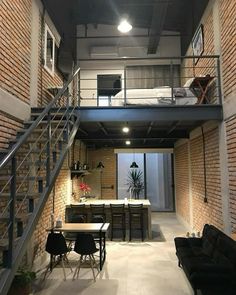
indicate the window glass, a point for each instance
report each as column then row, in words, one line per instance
column 49, row 51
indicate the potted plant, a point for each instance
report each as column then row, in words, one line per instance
column 135, row 182
column 22, row 282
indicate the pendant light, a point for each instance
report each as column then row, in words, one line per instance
column 100, row 165
column 134, row 165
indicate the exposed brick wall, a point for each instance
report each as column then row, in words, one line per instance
column 231, row 148
column 108, row 158
column 8, row 129
column 210, row 212
column 60, row 199
column 15, row 46
column 228, row 26
column 182, row 182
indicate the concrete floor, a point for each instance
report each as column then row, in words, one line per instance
column 131, row 268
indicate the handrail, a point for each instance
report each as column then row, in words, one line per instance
column 24, row 137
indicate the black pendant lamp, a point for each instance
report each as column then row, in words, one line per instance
column 100, row 165
column 134, row 165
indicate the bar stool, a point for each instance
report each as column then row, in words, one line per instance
column 98, row 210
column 136, row 219
column 75, row 211
column 117, row 219
column 86, row 247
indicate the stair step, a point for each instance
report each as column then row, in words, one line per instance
column 4, row 243
column 19, row 217
column 32, row 140
column 38, row 130
column 60, row 122
column 21, row 196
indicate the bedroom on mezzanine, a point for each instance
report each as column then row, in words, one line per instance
column 118, row 72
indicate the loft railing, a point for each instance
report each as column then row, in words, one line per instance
column 28, row 172
column 98, row 84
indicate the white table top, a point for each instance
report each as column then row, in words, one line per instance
column 145, row 202
column 82, row 227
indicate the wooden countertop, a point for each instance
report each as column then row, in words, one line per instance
column 145, row 202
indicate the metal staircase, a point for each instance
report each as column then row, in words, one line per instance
column 28, row 171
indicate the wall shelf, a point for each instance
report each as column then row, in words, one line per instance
column 79, row 173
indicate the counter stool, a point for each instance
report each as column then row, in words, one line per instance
column 98, row 210
column 76, row 211
column 136, row 219
column 117, row 219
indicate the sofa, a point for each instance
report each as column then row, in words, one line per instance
column 209, row 262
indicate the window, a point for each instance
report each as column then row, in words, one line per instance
column 49, row 51
column 107, row 87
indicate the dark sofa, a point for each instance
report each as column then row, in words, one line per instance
column 209, row 262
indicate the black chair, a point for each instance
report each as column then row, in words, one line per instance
column 98, row 210
column 86, row 247
column 136, row 219
column 117, row 219
column 56, row 246
column 76, row 211
column 71, row 237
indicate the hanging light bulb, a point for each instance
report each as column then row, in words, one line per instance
column 124, row 26
column 100, row 165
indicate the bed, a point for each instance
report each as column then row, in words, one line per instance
column 155, row 96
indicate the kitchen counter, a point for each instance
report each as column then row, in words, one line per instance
column 145, row 202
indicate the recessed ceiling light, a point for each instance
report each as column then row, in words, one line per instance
column 128, row 142
column 124, row 26
column 125, row 129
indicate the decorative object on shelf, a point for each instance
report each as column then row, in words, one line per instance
column 85, row 188
column 135, row 183
column 100, row 165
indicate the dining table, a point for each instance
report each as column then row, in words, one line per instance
column 99, row 228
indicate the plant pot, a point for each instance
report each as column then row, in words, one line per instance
column 20, row 290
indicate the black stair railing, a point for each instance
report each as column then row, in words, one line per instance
column 28, row 173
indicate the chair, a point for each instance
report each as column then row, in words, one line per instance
column 71, row 237
column 98, row 210
column 136, row 219
column 56, row 246
column 76, row 211
column 85, row 246
column 117, row 219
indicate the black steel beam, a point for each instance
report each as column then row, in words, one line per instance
column 158, row 114
column 137, row 136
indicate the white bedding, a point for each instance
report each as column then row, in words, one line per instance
column 155, row 96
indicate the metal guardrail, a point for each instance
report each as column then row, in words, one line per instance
column 146, row 76
column 28, row 172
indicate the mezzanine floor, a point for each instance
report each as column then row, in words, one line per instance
column 138, row 268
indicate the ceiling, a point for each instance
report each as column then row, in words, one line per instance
column 181, row 16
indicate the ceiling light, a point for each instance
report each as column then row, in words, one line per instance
column 127, row 142
column 124, row 26
column 125, row 129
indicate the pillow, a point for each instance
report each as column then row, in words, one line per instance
column 188, row 83
column 179, row 92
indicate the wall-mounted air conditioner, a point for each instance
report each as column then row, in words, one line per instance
column 103, row 51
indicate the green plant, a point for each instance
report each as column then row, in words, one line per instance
column 135, row 182
column 23, row 277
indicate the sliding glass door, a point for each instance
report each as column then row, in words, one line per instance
column 157, row 177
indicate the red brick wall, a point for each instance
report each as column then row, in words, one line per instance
column 108, row 158
column 228, row 25
column 15, row 46
column 8, row 129
column 231, row 148
column 182, row 182
column 210, row 212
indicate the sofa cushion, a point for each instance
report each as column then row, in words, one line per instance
column 209, row 239
column 225, row 251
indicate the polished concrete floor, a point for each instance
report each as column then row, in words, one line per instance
column 136, row 268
